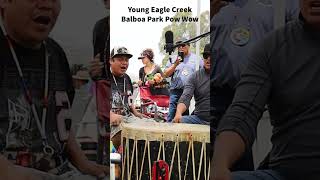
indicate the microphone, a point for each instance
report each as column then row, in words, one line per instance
column 169, row 42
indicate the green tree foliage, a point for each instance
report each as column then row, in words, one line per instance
column 186, row 29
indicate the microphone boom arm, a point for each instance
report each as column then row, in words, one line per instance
column 192, row 39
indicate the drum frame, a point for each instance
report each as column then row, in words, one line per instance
column 130, row 133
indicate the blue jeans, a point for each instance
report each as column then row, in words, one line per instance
column 256, row 175
column 193, row 119
column 174, row 98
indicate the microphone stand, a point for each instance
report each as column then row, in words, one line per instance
column 185, row 42
column 192, row 39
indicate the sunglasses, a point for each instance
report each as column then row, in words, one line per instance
column 206, row 56
column 182, row 45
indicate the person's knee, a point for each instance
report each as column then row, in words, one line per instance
column 185, row 119
column 188, row 119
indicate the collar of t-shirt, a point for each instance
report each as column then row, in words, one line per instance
column 240, row 3
column 23, row 52
column 20, row 48
column 187, row 57
column 27, row 51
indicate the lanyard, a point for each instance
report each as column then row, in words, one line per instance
column 124, row 88
column 247, row 7
column 126, row 110
column 47, row 149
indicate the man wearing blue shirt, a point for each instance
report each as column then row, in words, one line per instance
column 179, row 71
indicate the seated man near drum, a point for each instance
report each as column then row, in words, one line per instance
column 122, row 89
column 198, row 85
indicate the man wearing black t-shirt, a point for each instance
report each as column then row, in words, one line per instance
column 122, row 89
column 35, row 97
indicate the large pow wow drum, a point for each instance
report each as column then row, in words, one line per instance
column 184, row 147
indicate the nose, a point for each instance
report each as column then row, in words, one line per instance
column 124, row 62
column 47, row 4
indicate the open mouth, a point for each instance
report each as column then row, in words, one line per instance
column 42, row 20
column 124, row 68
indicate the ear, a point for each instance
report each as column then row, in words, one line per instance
column 111, row 60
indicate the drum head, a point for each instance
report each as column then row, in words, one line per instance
column 155, row 131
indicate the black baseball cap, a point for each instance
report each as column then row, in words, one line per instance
column 206, row 49
column 117, row 51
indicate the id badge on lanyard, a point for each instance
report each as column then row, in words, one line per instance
column 125, row 93
column 241, row 34
column 47, row 149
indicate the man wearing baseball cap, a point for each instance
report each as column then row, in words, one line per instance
column 180, row 70
column 122, row 89
column 198, row 85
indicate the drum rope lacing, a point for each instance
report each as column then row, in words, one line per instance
column 162, row 139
